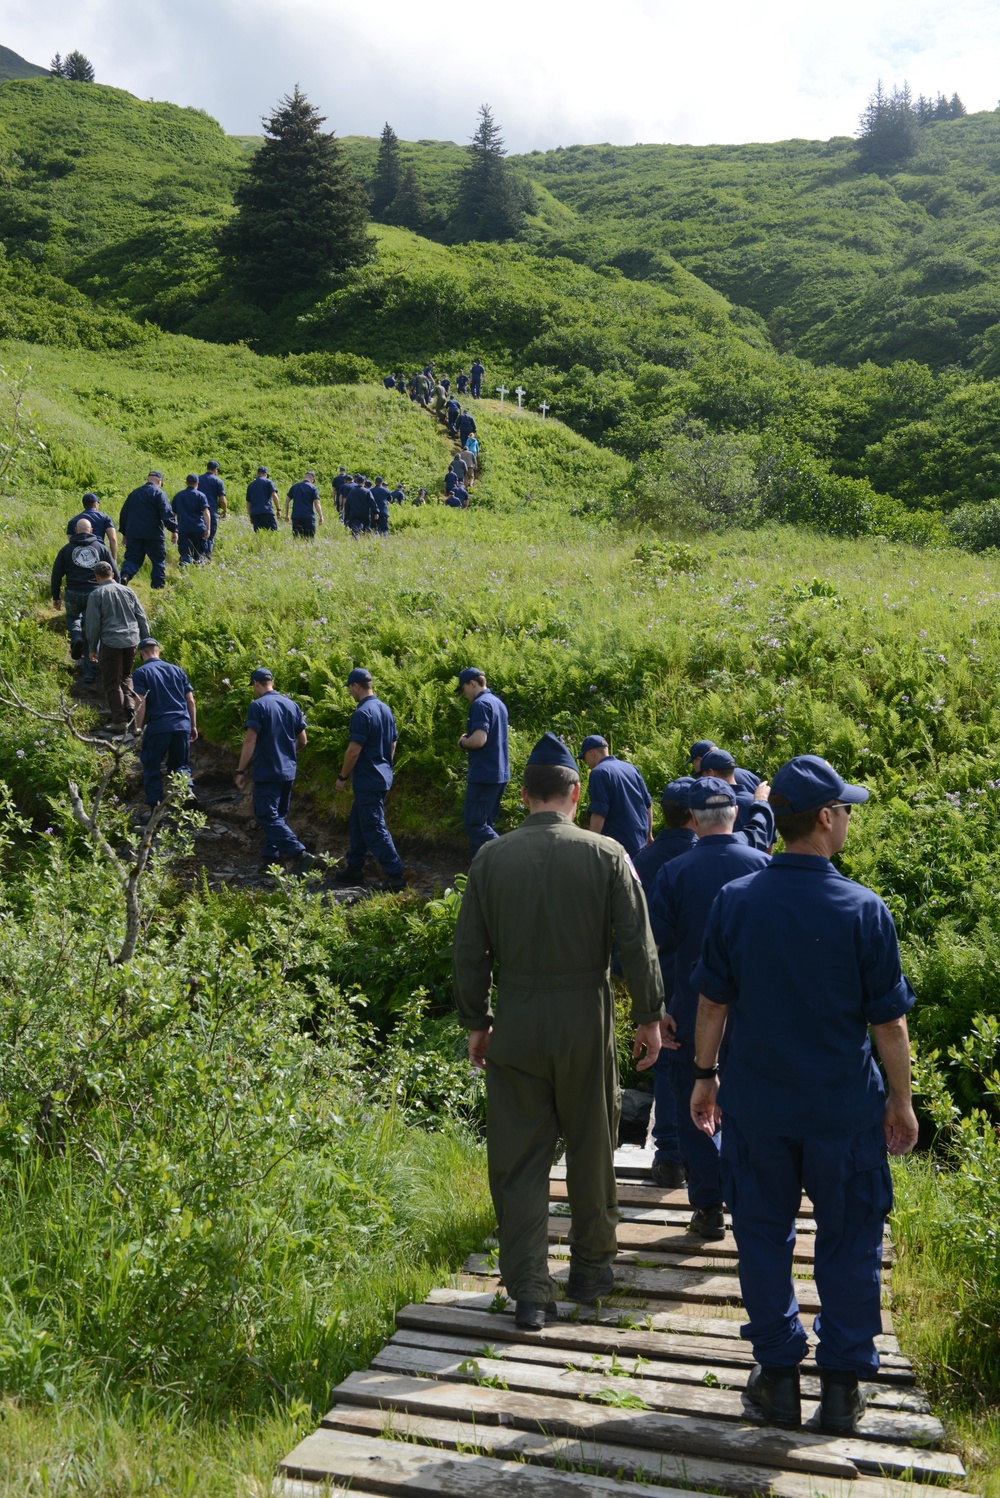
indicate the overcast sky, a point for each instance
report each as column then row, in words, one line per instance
column 556, row 72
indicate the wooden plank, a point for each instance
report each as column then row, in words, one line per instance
column 661, row 1284
column 704, row 1261
column 615, row 1459
column 679, row 1217
column 671, row 1239
column 462, row 1360
column 695, row 1366
column 479, row 1292
column 680, row 1434
column 638, row 1194
column 733, row 1354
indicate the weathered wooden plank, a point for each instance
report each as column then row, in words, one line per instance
column 479, row 1291
column 638, row 1194
column 465, row 1360
column 661, row 1284
column 679, row 1217
column 704, row 1260
column 605, row 1337
column 671, row 1239
column 619, row 1460
column 696, row 1366
column 684, row 1434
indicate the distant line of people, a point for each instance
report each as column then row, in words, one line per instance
column 425, row 383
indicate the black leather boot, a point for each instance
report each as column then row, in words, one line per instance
column 841, row 1402
column 531, row 1315
column 775, row 1392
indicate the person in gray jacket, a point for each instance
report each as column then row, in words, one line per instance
column 115, row 622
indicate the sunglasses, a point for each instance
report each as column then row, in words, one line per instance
column 847, row 806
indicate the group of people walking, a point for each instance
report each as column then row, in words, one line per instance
column 425, row 383
column 758, row 983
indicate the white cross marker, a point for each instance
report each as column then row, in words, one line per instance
column 502, row 391
column 520, row 392
column 543, row 408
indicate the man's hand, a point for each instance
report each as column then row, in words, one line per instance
column 647, row 1037
column 762, row 791
column 57, row 603
column 193, row 735
column 173, row 537
column 93, row 657
column 900, row 1124
column 668, row 1034
column 705, row 1112
column 461, row 741
column 479, row 1044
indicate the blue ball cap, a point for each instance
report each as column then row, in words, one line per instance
column 261, row 674
column 359, row 677
column 709, row 791
column 148, row 643
column 808, row 782
column 697, row 750
column 679, row 790
column 593, row 741
column 467, row 674
column 550, row 750
column 717, row 762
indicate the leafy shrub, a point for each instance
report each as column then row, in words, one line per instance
column 976, row 526
column 329, row 369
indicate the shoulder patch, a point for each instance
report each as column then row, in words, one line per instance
column 635, row 872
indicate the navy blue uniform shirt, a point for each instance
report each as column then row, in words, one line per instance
column 466, row 424
column 259, row 495
column 304, row 497
column 397, row 496
column 100, row 523
column 755, row 820
column 746, row 780
column 165, row 688
column 189, row 507
column 808, row 959
column 359, row 507
column 617, row 792
column 666, row 846
column 489, row 765
column 381, row 499
column 213, row 489
column 450, row 480
column 679, row 906
column 277, row 722
column 374, row 728
column 145, row 513
column 454, row 500
column 342, row 482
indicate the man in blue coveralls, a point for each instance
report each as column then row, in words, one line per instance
column 102, row 525
column 682, row 896
column 194, row 521
column 476, row 372
column 485, row 742
column 359, row 507
column 382, row 499
column 368, row 759
column 214, row 491
column 808, row 960
column 677, row 837
column 167, row 716
column 144, row 516
column 275, row 732
column 262, row 502
column 746, row 780
column 307, row 512
column 754, row 817
column 620, row 805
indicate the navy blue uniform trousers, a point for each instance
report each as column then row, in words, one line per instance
column 673, row 1081
column 369, row 834
column 482, row 807
column 136, row 552
column 849, row 1182
column 265, row 522
column 191, row 545
column 271, row 800
column 210, row 538
column 175, row 747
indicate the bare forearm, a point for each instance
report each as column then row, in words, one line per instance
column 350, row 760
column 246, row 750
column 596, row 822
column 892, row 1041
column 710, row 1026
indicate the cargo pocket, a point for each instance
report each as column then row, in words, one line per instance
column 868, row 1188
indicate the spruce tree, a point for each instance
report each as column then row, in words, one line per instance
column 409, row 207
column 956, row 107
column 889, row 130
column 489, row 200
column 56, row 67
column 77, row 68
column 388, row 170
column 301, row 216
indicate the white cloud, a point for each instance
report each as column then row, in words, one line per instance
column 555, row 73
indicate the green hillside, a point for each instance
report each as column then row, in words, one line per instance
column 13, row 65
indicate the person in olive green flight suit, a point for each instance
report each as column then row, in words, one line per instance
column 544, row 905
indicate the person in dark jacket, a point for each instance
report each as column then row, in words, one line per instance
column 275, row 732
column 102, row 525
column 262, row 502
column 167, row 716
column 476, row 373
column 306, row 511
column 754, row 818
column 359, row 507
column 145, row 517
column 466, row 425
column 453, row 411
column 214, row 491
column 381, row 498
column 76, row 565
column 194, row 521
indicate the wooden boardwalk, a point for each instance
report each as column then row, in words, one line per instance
column 642, row 1395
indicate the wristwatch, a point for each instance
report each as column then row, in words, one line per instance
column 704, row 1073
